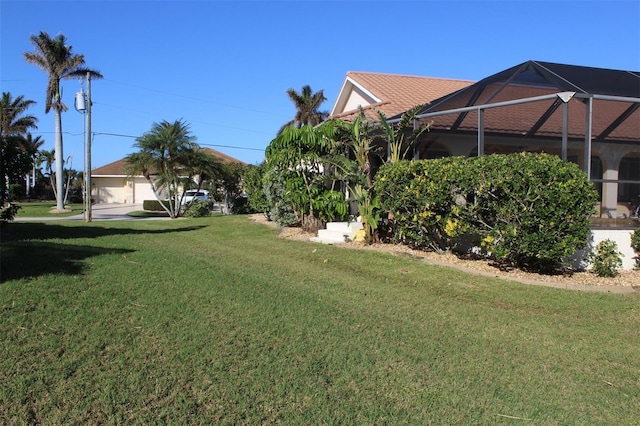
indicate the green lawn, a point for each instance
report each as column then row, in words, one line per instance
column 43, row 209
column 218, row 321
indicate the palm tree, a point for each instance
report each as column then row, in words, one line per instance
column 56, row 58
column 31, row 146
column 47, row 157
column 307, row 106
column 14, row 125
column 12, row 120
column 169, row 158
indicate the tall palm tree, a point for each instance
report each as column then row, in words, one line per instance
column 14, row 125
column 55, row 57
column 307, row 106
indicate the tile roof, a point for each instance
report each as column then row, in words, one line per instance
column 391, row 93
column 117, row 168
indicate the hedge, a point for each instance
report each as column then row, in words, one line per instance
column 152, row 206
column 525, row 210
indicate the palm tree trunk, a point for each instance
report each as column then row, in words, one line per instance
column 59, row 161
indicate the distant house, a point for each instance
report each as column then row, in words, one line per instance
column 587, row 115
column 110, row 183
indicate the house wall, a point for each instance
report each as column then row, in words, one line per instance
column 108, row 189
column 356, row 99
column 121, row 190
column 622, row 237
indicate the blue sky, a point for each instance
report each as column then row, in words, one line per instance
column 224, row 67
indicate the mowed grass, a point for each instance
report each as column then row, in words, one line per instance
column 43, row 209
column 218, row 321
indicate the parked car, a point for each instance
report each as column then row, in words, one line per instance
column 191, row 195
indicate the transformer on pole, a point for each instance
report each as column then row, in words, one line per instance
column 83, row 105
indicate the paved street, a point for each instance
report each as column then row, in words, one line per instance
column 98, row 212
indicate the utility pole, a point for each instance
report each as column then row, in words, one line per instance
column 87, row 160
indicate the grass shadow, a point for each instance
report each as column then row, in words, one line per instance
column 21, row 231
column 30, row 260
column 26, row 253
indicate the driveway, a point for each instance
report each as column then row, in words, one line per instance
column 98, row 212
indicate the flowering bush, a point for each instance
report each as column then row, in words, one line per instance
column 526, row 210
column 606, row 260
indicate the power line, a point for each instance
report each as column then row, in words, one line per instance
column 234, row 147
column 113, row 134
column 203, row 144
column 196, row 99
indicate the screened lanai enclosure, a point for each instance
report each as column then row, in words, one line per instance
column 590, row 116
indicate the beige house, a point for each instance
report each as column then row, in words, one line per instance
column 587, row 115
column 110, row 183
column 390, row 93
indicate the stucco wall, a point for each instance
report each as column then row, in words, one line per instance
column 622, row 237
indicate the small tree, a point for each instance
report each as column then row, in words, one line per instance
column 169, row 158
column 401, row 136
column 252, row 182
column 15, row 160
column 300, row 154
column 606, row 260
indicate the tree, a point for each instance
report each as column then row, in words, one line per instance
column 14, row 126
column 358, row 138
column 252, row 182
column 31, row 146
column 169, row 158
column 12, row 120
column 47, row 157
column 395, row 134
column 55, row 57
column 301, row 155
column 307, row 106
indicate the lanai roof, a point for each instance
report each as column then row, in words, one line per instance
column 615, row 95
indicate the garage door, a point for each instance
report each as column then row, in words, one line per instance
column 108, row 190
column 142, row 191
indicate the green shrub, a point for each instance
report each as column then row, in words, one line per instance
column 421, row 195
column 538, row 206
column 280, row 209
column 331, row 206
column 635, row 245
column 8, row 212
column 525, row 210
column 152, row 205
column 241, row 205
column 198, row 208
column 252, row 183
column 605, row 259
column 16, row 191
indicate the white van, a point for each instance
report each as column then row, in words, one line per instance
column 192, row 194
